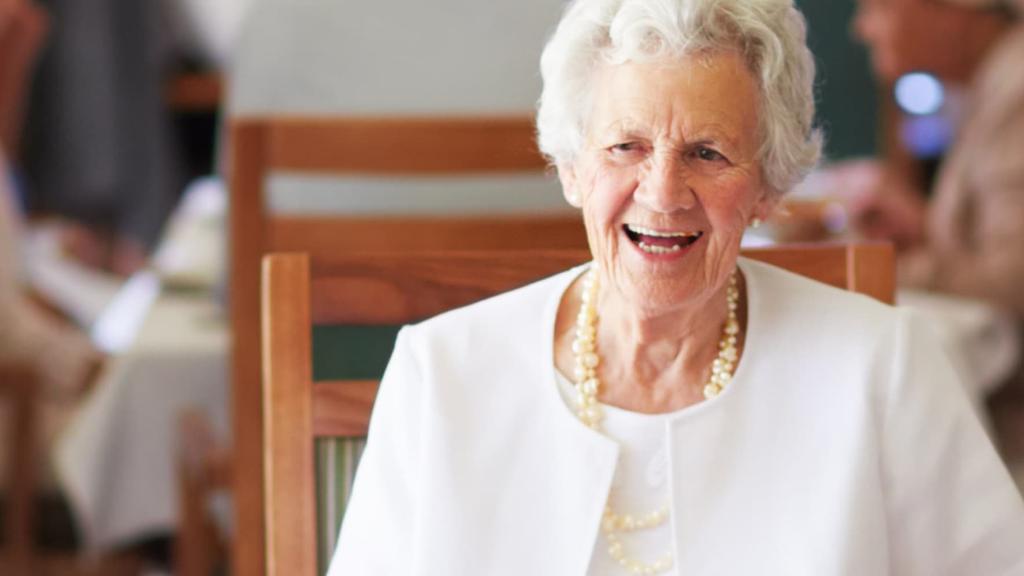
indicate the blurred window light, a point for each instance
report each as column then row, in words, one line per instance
column 926, row 136
column 117, row 326
column 919, row 93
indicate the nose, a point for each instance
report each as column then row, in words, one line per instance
column 665, row 186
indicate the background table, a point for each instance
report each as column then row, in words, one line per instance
column 116, row 460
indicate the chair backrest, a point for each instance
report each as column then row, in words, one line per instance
column 381, row 147
column 305, row 299
column 19, row 388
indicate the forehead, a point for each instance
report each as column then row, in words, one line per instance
column 677, row 97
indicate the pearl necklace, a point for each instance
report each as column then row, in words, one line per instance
column 584, row 348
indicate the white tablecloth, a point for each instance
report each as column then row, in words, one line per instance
column 116, row 461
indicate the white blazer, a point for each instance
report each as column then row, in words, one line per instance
column 843, row 446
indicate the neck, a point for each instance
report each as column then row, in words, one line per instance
column 636, row 342
column 649, row 363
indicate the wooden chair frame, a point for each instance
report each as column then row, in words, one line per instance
column 19, row 384
column 299, row 292
column 366, row 146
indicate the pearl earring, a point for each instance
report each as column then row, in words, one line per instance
column 574, row 199
column 755, row 223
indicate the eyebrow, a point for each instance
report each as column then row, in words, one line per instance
column 626, row 129
column 715, row 134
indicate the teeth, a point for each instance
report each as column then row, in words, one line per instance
column 648, row 232
column 655, row 249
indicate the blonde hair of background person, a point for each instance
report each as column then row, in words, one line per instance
column 671, row 406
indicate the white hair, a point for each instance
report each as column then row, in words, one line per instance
column 769, row 34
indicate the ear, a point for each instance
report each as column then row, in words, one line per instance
column 570, row 189
column 765, row 205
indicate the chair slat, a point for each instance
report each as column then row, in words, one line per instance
column 328, row 236
column 247, row 168
column 871, row 270
column 361, row 289
column 407, row 145
column 19, row 387
column 288, row 427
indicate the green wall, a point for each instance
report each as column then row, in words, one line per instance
column 846, row 94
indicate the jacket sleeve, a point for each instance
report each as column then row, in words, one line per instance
column 952, row 507
column 377, row 531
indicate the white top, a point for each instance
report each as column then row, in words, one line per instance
column 843, row 446
column 640, row 484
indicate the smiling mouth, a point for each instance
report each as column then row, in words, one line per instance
column 658, row 241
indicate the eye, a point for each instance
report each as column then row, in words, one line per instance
column 708, row 154
column 625, row 148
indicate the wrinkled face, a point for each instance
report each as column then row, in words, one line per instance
column 911, row 35
column 669, row 177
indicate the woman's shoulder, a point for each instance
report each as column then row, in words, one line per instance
column 805, row 332
column 785, row 297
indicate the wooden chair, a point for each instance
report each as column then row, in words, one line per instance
column 382, row 147
column 20, row 387
column 305, row 402
column 18, row 384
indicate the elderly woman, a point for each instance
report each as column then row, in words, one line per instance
column 672, row 408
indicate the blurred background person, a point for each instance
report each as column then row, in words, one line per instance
column 99, row 143
column 968, row 238
column 964, row 236
column 59, row 356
